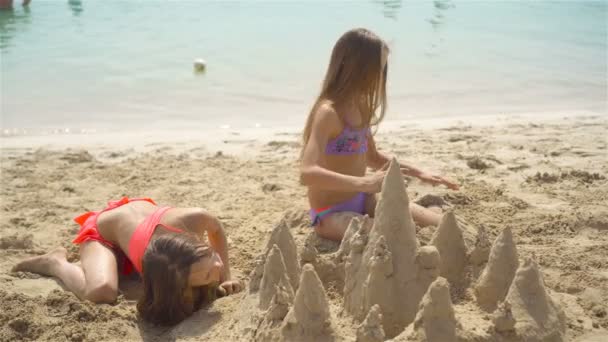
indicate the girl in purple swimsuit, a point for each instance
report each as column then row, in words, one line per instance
column 338, row 144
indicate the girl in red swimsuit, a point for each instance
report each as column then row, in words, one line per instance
column 164, row 245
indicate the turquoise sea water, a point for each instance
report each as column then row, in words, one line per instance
column 120, row 65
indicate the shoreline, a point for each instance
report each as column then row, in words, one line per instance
column 239, row 140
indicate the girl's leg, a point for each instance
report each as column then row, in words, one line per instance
column 422, row 216
column 96, row 280
column 100, row 272
column 333, row 226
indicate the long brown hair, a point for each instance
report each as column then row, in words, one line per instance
column 354, row 72
column 165, row 272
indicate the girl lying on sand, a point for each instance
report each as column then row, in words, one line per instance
column 165, row 245
column 338, row 143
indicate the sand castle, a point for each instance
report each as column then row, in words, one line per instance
column 386, row 286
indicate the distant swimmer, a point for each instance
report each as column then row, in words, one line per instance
column 8, row 4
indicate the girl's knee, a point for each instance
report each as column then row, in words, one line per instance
column 104, row 292
column 320, row 230
column 328, row 232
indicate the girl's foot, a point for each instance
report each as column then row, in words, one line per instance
column 42, row 264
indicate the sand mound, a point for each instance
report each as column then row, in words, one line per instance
column 17, row 242
column 581, row 176
column 25, row 318
column 537, row 316
column 77, row 156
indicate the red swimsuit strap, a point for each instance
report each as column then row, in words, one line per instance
column 142, row 235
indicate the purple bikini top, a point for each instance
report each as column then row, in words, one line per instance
column 349, row 142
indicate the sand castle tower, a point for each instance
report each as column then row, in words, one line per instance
column 503, row 320
column 481, row 249
column 382, row 266
column 449, row 241
column 371, row 329
column 271, row 289
column 282, row 238
column 537, row 316
column 494, row 282
column 272, row 318
column 435, row 320
column 309, row 318
column 274, row 278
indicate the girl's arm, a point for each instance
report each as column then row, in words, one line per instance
column 312, row 174
column 377, row 160
column 217, row 240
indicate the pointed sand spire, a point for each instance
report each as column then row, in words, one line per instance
column 371, row 329
column 281, row 236
column 309, row 316
column 380, row 268
column 435, row 320
column 274, row 275
column 494, row 282
column 537, row 316
column 452, row 250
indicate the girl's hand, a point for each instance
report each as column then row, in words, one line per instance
column 373, row 183
column 230, row 287
column 437, row 180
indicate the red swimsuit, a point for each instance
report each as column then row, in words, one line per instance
column 139, row 240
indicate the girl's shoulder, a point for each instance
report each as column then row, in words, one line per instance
column 326, row 106
column 326, row 114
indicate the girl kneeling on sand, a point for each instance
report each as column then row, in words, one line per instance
column 165, row 245
column 338, row 143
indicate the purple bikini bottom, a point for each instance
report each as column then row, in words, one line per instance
column 355, row 204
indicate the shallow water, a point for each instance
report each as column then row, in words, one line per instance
column 116, row 65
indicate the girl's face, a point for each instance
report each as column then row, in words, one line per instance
column 206, row 271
